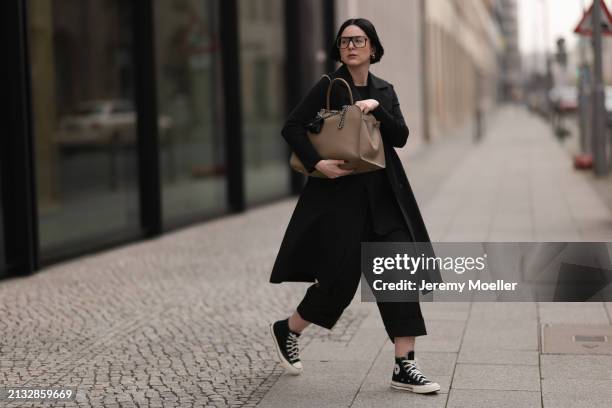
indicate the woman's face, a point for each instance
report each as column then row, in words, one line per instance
column 353, row 55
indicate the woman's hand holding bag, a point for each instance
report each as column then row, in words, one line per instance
column 331, row 168
column 367, row 105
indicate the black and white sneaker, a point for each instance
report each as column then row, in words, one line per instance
column 408, row 377
column 286, row 345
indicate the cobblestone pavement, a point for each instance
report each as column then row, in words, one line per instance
column 176, row 321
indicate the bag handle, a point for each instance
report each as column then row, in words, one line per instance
column 329, row 88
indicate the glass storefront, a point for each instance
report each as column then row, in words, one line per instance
column 84, row 121
column 190, row 100
column 262, row 67
column 319, row 41
column 88, row 166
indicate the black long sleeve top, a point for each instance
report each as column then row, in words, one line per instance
column 386, row 215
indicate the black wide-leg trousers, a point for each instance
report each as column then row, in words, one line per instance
column 324, row 308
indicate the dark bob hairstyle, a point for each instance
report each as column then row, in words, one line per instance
column 370, row 31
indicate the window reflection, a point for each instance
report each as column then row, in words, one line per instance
column 192, row 151
column 84, row 120
column 262, row 65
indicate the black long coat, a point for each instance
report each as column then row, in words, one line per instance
column 324, row 229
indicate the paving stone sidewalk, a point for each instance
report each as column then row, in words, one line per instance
column 182, row 320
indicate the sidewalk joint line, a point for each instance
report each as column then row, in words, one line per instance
column 368, row 372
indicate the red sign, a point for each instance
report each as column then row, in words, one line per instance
column 585, row 26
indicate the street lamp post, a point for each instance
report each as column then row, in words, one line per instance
column 584, row 97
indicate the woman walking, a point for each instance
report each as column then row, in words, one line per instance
column 335, row 214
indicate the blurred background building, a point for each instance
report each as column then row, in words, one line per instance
column 128, row 119
column 510, row 64
column 607, row 55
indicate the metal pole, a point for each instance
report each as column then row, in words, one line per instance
column 599, row 139
column 583, row 97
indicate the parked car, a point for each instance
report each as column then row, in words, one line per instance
column 102, row 122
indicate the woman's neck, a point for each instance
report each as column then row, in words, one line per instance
column 359, row 74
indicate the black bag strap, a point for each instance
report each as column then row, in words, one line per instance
column 329, row 88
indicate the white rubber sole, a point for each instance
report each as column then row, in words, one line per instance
column 293, row 369
column 418, row 389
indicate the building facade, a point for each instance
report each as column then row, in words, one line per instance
column 510, row 62
column 463, row 45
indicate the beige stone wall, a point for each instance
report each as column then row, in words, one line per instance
column 462, row 46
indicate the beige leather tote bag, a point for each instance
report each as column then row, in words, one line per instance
column 347, row 134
